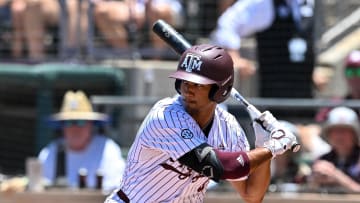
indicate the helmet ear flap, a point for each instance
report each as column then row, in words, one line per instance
column 212, row 92
column 218, row 94
column 177, row 85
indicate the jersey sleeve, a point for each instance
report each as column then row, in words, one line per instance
column 173, row 132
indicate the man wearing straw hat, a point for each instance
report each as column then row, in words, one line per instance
column 80, row 148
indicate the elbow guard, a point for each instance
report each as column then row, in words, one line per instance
column 217, row 164
column 203, row 160
column 236, row 165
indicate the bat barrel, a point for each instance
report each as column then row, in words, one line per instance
column 167, row 33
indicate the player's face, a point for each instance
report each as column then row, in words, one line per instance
column 196, row 96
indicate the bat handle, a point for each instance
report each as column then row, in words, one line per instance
column 253, row 112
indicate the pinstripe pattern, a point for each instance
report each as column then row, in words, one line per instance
column 152, row 173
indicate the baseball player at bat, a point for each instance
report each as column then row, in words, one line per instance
column 188, row 140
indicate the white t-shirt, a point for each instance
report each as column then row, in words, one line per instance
column 243, row 18
column 246, row 17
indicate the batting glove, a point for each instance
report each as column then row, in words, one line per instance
column 281, row 141
column 268, row 121
column 263, row 126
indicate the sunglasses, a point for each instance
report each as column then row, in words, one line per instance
column 79, row 123
column 352, row 72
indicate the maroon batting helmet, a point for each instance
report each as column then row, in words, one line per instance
column 206, row 64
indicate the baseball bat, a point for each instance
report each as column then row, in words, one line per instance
column 179, row 44
column 169, row 35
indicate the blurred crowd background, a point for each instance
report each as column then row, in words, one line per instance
column 107, row 49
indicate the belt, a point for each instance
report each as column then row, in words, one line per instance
column 123, row 196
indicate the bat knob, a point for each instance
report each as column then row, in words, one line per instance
column 295, row 147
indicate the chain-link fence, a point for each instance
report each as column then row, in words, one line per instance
column 334, row 20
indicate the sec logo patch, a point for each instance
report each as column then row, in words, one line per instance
column 186, row 134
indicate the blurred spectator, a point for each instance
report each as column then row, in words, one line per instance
column 5, row 22
column 111, row 18
column 4, row 10
column 204, row 15
column 291, row 172
column 284, row 35
column 76, row 36
column 352, row 74
column 170, row 11
column 339, row 170
column 222, row 5
column 32, row 18
column 116, row 19
column 312, row 144
column 80, row 147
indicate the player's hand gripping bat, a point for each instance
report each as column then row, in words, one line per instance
column 177, row 42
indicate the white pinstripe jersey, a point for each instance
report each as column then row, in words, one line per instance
column 153, row 173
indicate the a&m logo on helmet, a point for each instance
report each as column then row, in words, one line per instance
column 191, row 62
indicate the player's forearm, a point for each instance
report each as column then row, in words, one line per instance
column 258, row 182
column 254, row 188
column 258, row 157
